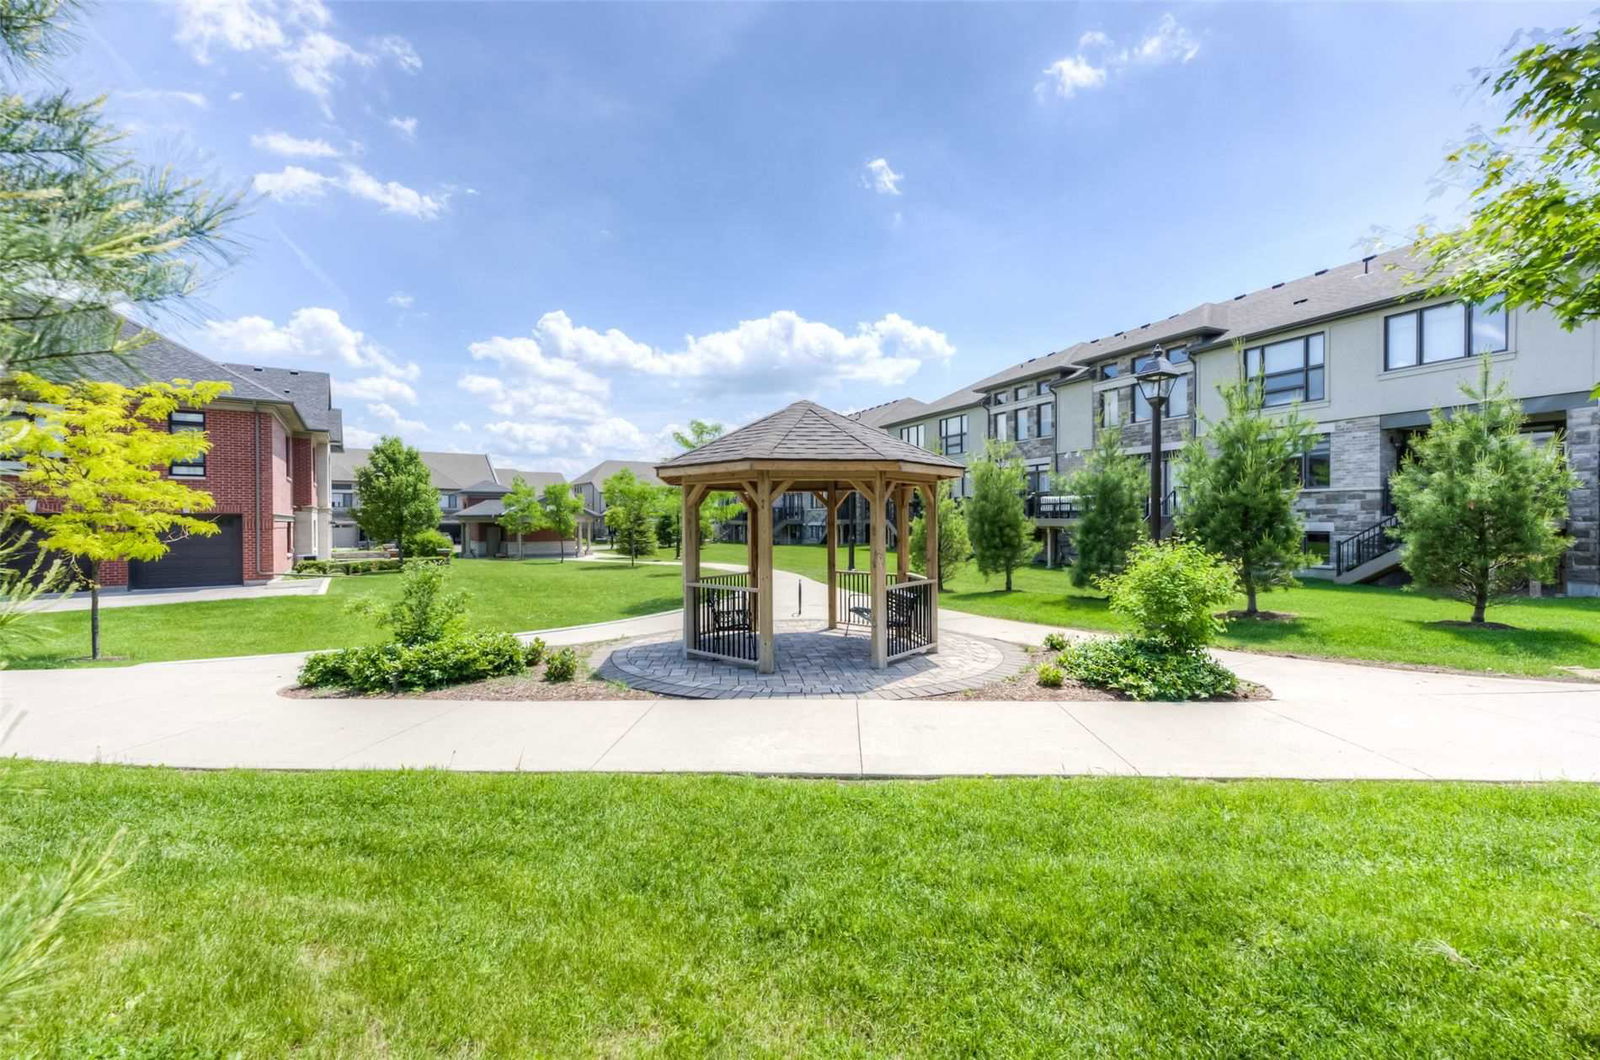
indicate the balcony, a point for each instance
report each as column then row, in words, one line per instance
column 1040, row 505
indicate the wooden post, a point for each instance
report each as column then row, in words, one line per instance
column 930, row 558
column 830, row 501
column 902, row 522
column 692, row 496
column 880, row 591
column 749, row 533
column 762, row 527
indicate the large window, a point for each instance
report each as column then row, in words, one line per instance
column 1443, row 333
column 1289, row 371
column 1109, row 371
column 1177, row 402
column 1000, row 426
column 1020, row 393
column 450, row 501
column 1106, row 412
column 953, row 435
column 914, row 434
column 1042, row 387
column 344, row 499
column 187, row 420
column 1001, row 397
column 1026, row 422
column 1047, row 420
column 1316, row 465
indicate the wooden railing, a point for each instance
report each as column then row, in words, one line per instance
column 725, row 617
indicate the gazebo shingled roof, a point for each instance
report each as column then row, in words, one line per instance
column 807, row 448
column 806, row 432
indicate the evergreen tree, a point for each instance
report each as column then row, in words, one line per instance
column 98, row 452
column 997, row 516
column 523, row 512
column 561, row 508
column 955, row 547
column 1111, row 489
column 1480, row 505
column 397, row 494
column 85, row 232
column 1240, row 483
column 631, row 507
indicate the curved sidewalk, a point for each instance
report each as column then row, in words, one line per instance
column 1326, row 720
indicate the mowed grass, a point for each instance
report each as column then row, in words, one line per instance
column 1339, row 621
column 513, row 595
column 433, row 914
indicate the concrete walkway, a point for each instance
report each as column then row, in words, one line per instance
column 1326, row 720
column 147, row 597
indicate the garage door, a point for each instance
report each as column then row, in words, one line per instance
column 195, row 560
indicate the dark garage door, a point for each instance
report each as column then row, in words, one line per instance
column 195, row 560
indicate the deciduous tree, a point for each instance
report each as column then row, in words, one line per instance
column 1240, row 481
column 523, row 513
column 1111, row 490
column 997, row 517
column 1480, row 505
column 631, row 507
column 955, row 546
column 561, row 507
column 95, row 455
column 397, row 496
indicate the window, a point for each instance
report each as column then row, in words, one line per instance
column 1178, row 355
column 1289, row 371
column 1026, row 422
column 914, row 435
column 187, row 420
column 450, row 501
column 1047, row 420
column 1106, row 412
column 1000, row 426
column 1177, row 402
column 1319, row 543
column 1020, row 393
column 1000, row 397
column 1038, row 478
column 1109, row 371
column 1444, row 333
column 953, row 435
column 1042, row 387
column 1316, row 465
column 344, row 499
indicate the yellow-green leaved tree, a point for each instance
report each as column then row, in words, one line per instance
column 93, row 454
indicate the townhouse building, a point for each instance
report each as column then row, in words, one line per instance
column 1355, row 349
column 268, row 470
column 590, row 487
column 451, row 474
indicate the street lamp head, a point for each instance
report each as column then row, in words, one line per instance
column 1156, row 378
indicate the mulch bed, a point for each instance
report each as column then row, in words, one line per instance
column 1259, row 616
column 529, row 686
column 1025, row 686
column 1452, row 623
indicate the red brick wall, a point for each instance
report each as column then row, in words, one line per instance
column 305, row 479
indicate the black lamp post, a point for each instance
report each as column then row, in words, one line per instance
column 1155, row 383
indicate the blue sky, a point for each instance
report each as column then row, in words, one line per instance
column 551, row 232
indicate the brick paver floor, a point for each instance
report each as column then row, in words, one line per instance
column 811, row 663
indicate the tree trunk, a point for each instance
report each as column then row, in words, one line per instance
column 1008, row 579
column 561, row 547
column 94, row 609
column 1250, row 598
column 520, row 554
column 1480, row 601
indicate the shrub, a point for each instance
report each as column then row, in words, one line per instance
column 533, row 652
column 1142, row 669
column 314, row 566
column 429, row 543
column 396, row 667
column 1055, row 641
column 1050, row 676
column 1169, row 594
column 425, row 612
column 561, row 666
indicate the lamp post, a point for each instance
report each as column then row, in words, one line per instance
column 1155, row 383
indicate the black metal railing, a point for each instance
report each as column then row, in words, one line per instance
column 910, row 613
column 725, row 617
column 1051, row 506
column 1376, row 540
column 855, row 597
column 1169, row 504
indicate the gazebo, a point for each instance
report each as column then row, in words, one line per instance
column 807, row 448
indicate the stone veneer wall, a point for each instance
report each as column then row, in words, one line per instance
column 1355, row 499
column 1583, row 453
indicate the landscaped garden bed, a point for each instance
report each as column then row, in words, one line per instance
column 1025, row 686
column 535, row 683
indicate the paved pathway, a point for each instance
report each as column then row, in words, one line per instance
column 147, row 597
column 1327, row 720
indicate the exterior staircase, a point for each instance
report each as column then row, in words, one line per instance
column 1368, row 554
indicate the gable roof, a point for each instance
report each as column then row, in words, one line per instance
column 537, row 479
column 310, row 392
column 806, row 431
column 449, row 471
column 606, row 468
column 898, row 410
column 487, row 487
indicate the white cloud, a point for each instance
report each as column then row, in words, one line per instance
column 374, row 388
column 524, row 360
column 1098, row 58
column 294, row 33
column 881, row 179
column 312, row 336
column 391, row 415
column 298, row 184
column 292, row 184
column 533, row 399
column 359, row 437
column 401, row 300
column 612, row 437
column 281, row 143
column 406, row 127
column 167, row 95
column 393, row 196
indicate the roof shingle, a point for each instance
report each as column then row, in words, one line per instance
column 805, row 431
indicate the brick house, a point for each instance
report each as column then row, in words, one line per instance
column 266, row 471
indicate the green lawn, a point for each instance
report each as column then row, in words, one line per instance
column 1343, row 621
column 502, row 594
column 431, row 914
